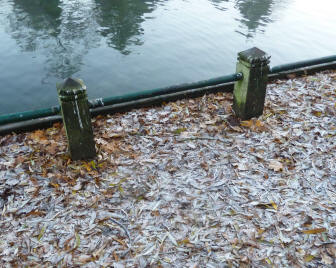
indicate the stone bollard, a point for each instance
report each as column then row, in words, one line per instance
column 76, row 118
column 249, row 93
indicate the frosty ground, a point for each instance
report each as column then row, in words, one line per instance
column 182, row 185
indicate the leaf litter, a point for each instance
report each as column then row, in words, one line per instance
column 182, row 185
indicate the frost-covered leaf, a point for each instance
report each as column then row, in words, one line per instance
column 327, row 259
column 275, row 165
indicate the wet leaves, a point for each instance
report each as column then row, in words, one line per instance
column 185, row 184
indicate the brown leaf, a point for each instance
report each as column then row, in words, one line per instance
column 109, row 147
column 36, row 213
column 57, row 125
column 254, row 125
column 248, row 123
column 55, row 185
column 291, row 76
column 316, row 113
column 115, row 256
column 315, row 231
column 19, row 160
column 259, row 124
column 52, row 148
column 34, row 181
column 38, row 135
column 205, row 166
column 155, row 213
column 120, row 242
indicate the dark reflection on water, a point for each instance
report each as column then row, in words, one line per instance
column 65, row 31
column 120, row 21
column 62, row 38
column 255, row 14
column 62, row 34
column 33, row 21
column 220, row 4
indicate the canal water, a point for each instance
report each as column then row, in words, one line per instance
column 123, row 46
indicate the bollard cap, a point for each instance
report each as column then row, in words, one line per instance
column 254, row 56
column 71, row 86
column 71, row 89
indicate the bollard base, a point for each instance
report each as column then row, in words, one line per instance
column 77, row 119
column 249, row 93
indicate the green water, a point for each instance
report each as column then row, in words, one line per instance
column 122, row 46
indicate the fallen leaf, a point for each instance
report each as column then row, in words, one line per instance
column 77, row 240
column 55, row 185
column 274, row 205
column 205, row 166
column 268, row 261
column 52, row 148
column 275, row 165
column 41, row 233
column 38, row 135
column 308, row 258
column 271, row 205
column 327, row 259
column 83, row 259
column 179, row 131
column 315, row 231
column 317, row 113
column 248, row 123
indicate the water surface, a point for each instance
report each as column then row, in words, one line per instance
column 123, row 46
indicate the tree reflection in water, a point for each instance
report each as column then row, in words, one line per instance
column 61, row 32
column 33, row 22
column 255, row 14
column 120, row 21
column 219, row 4
column 65, row 31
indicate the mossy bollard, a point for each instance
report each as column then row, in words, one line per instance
column 249, row 93
column 76, row 118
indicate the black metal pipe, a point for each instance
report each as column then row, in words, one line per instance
column 28, row 115
column 171, row 89
column 45, row 122
column 300, row 64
